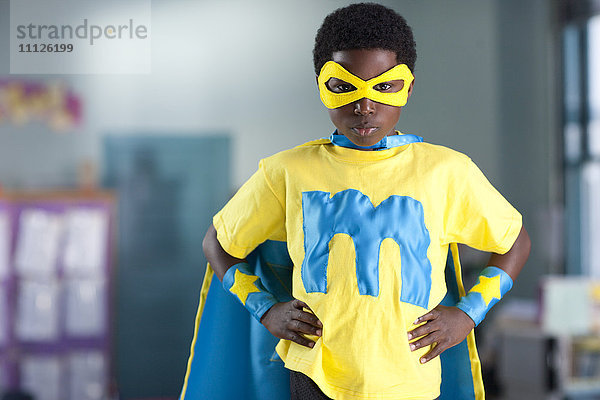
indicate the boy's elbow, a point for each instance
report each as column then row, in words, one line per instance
column 219, row 260
column 520, row 250
column 525, row 242
column 208, row 244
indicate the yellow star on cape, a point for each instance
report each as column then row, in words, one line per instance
column 243, row 285
column 489, row 288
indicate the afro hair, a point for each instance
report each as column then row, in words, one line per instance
column 364, row 26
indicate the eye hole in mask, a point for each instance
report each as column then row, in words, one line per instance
column 338, row 87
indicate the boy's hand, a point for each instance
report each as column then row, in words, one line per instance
column 445, row 327
column 289, row 321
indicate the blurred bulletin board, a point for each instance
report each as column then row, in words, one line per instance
column 169, row 188
column 55, row 284
column 570, row 305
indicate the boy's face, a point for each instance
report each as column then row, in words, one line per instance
column 365, row 122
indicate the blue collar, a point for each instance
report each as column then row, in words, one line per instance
column 386, row 143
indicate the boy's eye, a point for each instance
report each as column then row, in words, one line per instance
column 339, row 86
column 345, row 87
column 392, row 86
column 382, row 86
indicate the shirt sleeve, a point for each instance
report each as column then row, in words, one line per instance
column 254, row 214
column 477, row 214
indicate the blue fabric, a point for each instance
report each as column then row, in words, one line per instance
column 234, row 355
column 473, row 303
column 257, row 302
column 352, row 213
column 457, row 378
column 222, row 350
column 270, row 379
column 271, row 261
column 386, row 143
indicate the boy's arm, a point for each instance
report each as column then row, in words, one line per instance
column 284, row 320
column 448, row 326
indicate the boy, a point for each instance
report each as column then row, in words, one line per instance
column 368, row 216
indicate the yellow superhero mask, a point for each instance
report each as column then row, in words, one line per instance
column 363, row 89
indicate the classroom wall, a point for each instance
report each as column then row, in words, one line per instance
column 484, row 86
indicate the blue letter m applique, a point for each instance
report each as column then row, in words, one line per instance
column 400, row 218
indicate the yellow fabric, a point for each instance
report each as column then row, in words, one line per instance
column 331, row 69
column 243, row 285
column 471, row 345
column 364, row 352
column 489, row 288
column 208, row 275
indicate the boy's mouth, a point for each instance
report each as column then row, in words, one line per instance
column 364, row 130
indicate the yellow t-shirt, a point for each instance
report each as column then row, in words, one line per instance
column 368, row 233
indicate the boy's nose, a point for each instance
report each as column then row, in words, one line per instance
column 364, row 106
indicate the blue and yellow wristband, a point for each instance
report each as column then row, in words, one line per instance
column 248, row 289
column 492, row 284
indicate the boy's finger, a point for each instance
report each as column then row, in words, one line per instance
column 431, row 315
column 425, row 341
column 299, row 304
column 308, row 318
column 303, row 327
column 297, row 338
column 433, row 353
column 421, row 330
